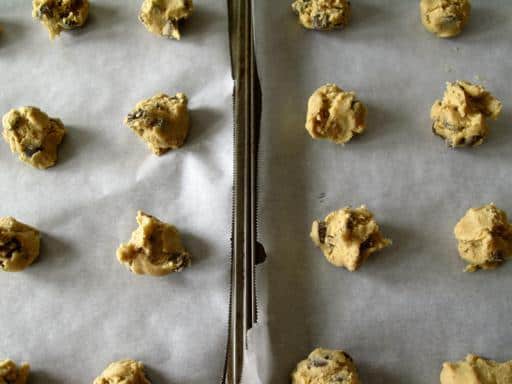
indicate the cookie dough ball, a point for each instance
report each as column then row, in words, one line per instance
column 476, row 370
column 324, row 366
column 154, row 249
column 123, row 372
column 335, row 115
column 322, row 14
column 19, row 245
column 163, row 17
column 485, row 237
column 460, row 118
column 33, row 135
column 161, row 121
column 10, row 373
column 57, row 15
column 348, row 236
column 445, row 18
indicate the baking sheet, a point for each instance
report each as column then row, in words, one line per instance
column 410, row 307
column 77, row 309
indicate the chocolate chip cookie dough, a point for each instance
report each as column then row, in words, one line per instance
column 19, row 245
column 322, row 14
column 445, row 18
column 10, row 373
column 335, row 115
column 123, row 372
column 163, row 17
column 33, row 135
column 476, row 370
column 324, row 366
column 485, row 237
column 348, row 236
column 161, row 121
column 460, row 118
column 58, row 15
column 154, row 249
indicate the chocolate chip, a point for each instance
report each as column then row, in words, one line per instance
column 322, row 231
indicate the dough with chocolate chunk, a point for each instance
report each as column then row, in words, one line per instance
column 322, row 14
column 445, row 18
column 460, row 118
column 58, row 15
column 10, row 373
column 19, row 245
column 123, row 372
column 485, row 237
column 348, row 236
column 154, row 249
column 335, row 115
column 161, row 121
column 324, row 366
column 33, row 135
column 476, row 370
column 163, row 17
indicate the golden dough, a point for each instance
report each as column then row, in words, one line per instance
column 445, row 18
column 322, row 14
column 162, row 17
column 33, row 135
column 348, row 236
column 485, row 237
column 123, row 372
column 10, row 373
column 19, row 245
column 335, row 114
column 154, row 249
column 460, row 117
column 324, row 366
column 476, row 370
column 57, row 15
column 162, row 122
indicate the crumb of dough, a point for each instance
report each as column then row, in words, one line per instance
column 460, row 117
column 347, row 237
column 33, row 135
column 123, row 372
column 325, row 366
column 163, row 17
column 445, row 18
column 335, row 114
column 155, row 248
column 10, row 373
column 58, row 15
column 19, row 245
column 322, row 14
column 476, row 370
column 161, row 121
column 484, row 237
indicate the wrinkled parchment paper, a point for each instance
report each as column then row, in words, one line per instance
column 77, row 308
column 410, row 307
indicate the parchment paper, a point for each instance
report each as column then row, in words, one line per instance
column 410, row 307
column 77, row 309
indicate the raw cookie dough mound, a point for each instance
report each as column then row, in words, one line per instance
column 33, row 135
column 460, row 117
column 324, row 366
column 57, row 15
column 485, row 237
column 10, row 373
column 335, row 114
column 19, row 245
column 161, row 121
column 322, row 14
column 154, row 249
column 162, row 17
column 445, row 18
column 348, row 236
column 476, row 370
column 123, row 372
